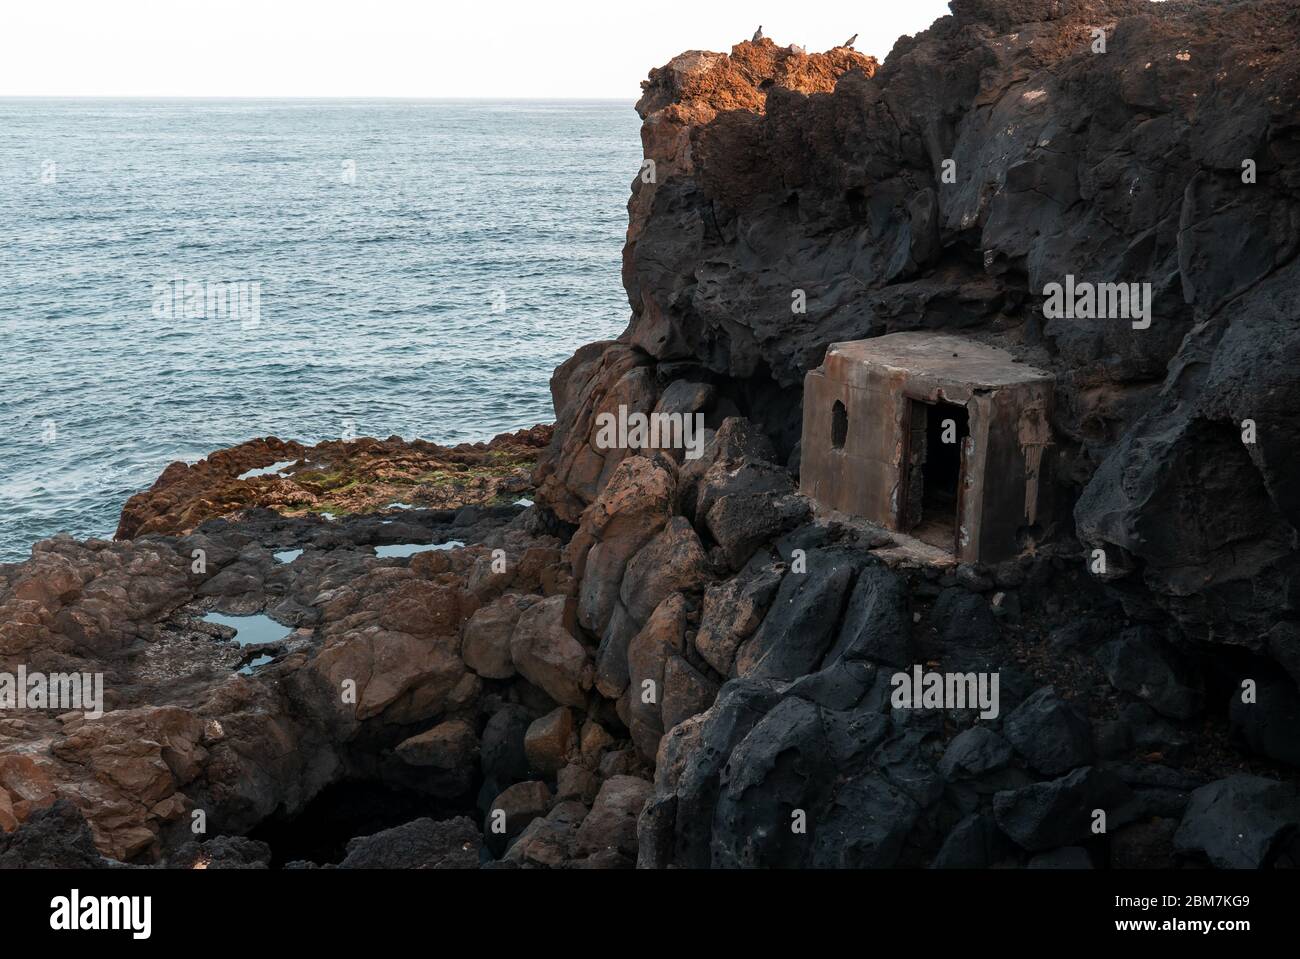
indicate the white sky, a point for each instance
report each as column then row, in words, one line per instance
column 404, row 48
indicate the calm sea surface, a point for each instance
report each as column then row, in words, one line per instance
column 179, row 276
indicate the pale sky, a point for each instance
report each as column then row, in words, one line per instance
column 404, row 48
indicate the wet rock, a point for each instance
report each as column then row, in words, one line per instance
column 364, row 474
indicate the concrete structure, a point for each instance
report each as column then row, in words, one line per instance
column 933, row 435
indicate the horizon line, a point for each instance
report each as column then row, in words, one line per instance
column 272, row 96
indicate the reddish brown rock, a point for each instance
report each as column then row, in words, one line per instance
column 611, row 824
column 631, row 510
column 733, row 610
column 550, row 741
column 521, row 804
column 663, row 635
column 549, row 841
column 674, row 561
column 486, row 643
column 448, row 745
column 577, row 783
column 547, row 655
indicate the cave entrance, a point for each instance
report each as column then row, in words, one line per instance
column 936, row 464
column 345, row 810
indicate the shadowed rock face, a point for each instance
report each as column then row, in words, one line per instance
column 777, row 172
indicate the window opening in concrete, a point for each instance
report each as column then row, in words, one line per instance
column 839, row 425
column 938, row 439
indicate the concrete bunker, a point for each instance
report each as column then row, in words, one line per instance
column 933, row 435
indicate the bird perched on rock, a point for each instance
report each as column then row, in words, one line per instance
column 850, row 41
column 795, row 48
column 758, row 34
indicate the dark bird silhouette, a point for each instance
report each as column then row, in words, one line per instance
column 758, row 34
column 850, row 41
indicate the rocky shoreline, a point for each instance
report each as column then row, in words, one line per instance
column 627, row 657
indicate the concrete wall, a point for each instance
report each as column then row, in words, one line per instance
column 1007, row 455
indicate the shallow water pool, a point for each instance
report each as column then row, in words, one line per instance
column 409, row 549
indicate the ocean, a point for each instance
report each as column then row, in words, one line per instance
column 180, row 276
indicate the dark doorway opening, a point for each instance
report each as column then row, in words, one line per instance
column 938, row 438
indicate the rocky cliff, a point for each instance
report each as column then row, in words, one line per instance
column 675, row 661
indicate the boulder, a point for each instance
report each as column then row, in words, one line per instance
column 611, row 824
column 419, row 844
column 486, row 640
column 1237, row 822
column 550, row 741
column 449, row 745
column 801, row 625
column 674, row 561
column 733, row 610
column 1053, row 735
column 512, row 810
column 1042, row 816
column 547, row 655
column 1138, row 663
